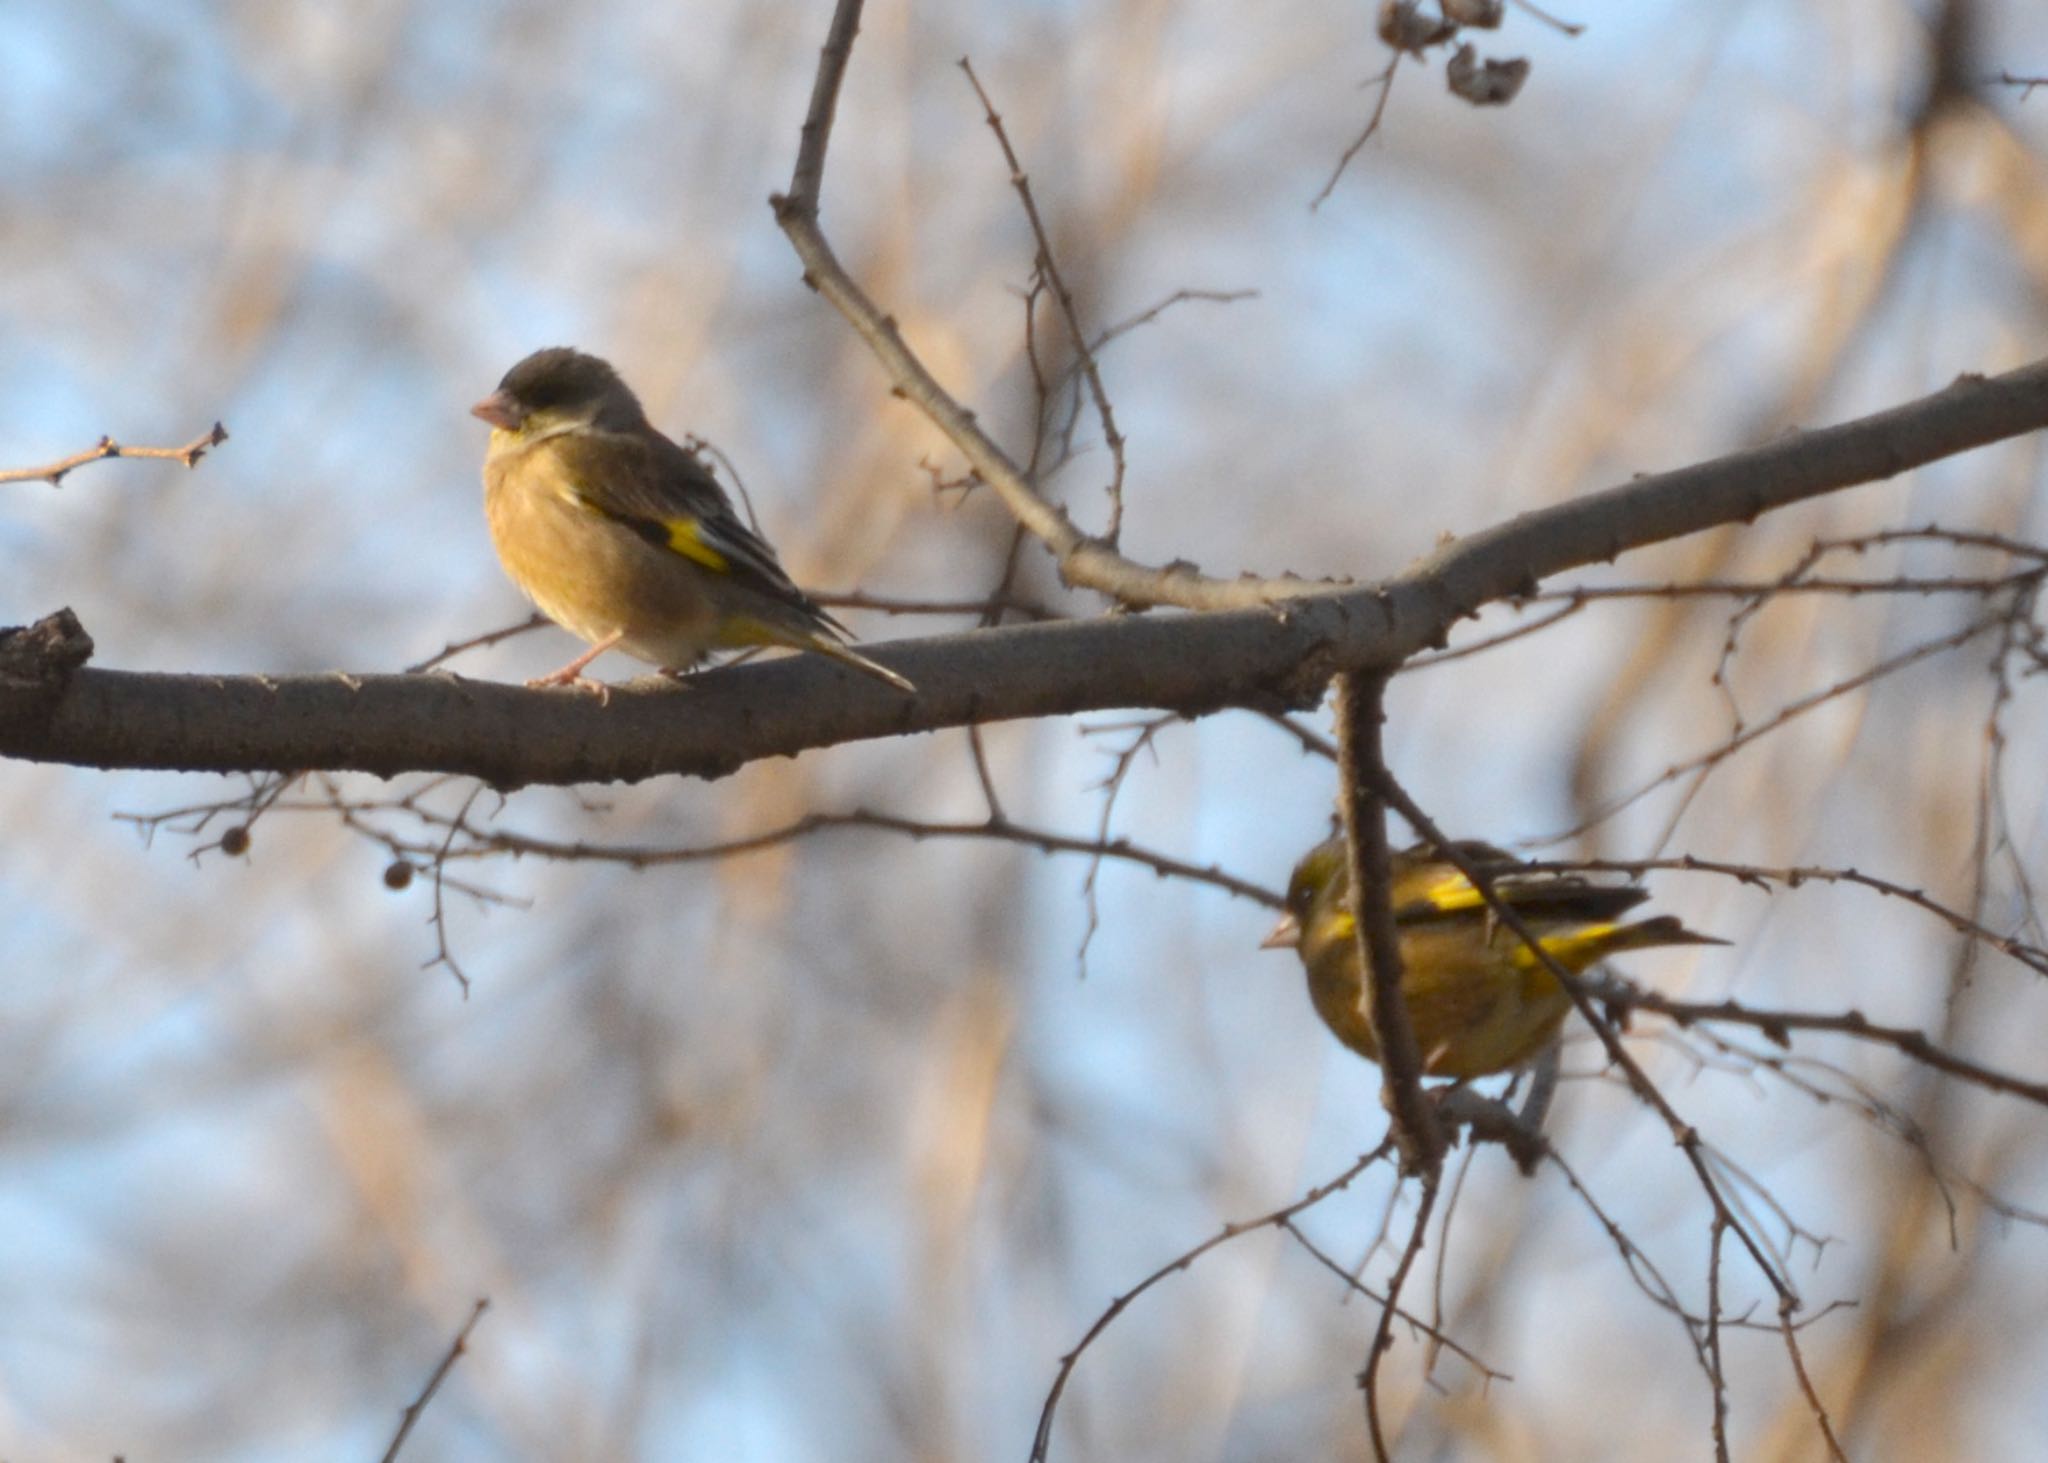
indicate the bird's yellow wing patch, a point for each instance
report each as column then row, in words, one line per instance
column 1440, row 887
column 683, row 535
column 1574, row 949
column 686, row 537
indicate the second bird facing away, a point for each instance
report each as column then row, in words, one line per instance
column 625, row 539
column 1480, row 1001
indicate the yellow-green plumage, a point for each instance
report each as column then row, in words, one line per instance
column 1479, row 999
column 589, row 577
column 624, row 538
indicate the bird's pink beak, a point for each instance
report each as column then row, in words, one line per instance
column 1285, row 935
column 500, row 410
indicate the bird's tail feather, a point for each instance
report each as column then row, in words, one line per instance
column 825, row 645
column 1579, row 947
column 746, row 630
column 1663, row 930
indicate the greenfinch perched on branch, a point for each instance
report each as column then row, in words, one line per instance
column 1479, row 999
column 625, row 539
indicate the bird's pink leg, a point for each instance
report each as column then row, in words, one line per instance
column 572, row 673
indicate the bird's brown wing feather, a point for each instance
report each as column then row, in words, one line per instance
column 1426, row 888
column 666, row 495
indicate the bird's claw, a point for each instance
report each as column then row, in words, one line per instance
column 575, row 682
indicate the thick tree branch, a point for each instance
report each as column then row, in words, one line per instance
column 1278, row 655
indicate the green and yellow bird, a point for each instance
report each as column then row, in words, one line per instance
column 1479, row 999
column 625, row 539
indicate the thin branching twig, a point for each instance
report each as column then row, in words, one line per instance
column 107, row 449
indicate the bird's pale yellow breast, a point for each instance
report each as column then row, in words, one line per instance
column 589, row 575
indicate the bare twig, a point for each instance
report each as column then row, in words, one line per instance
column 1717, row 1371
column 1572, row 600
column 1777, row 1025
column 1789, row 712
column 1384, row 80
column 700, row 448
column 1642, row 1270
column 1569, row 27
column 443, row 952
column 1152, row 312
column 1439, row 1339
column 1123, row 759
column 977, row 749
column 1773, row 589
column 1041, row 1443
column 1806, row 1387
column 418, row 1405
column 1494, row 642
column 2035, row 957
column 1383, row 1337
column 484, row 842
column 1069, row 311
column 107, row 448
column 1312, row 742
column 476, row 642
